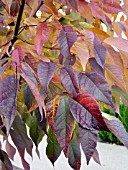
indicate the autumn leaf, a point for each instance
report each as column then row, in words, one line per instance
column 64, row 124
column 45, row 73
column 42, row 36
column 96, row 86
column 8, row 92
column 88, row 140
column 17, row 57
column 69, row 80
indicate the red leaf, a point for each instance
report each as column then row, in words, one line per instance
column 110, row 6
column 88, row 105
column 8, row 92
column 66, row 39
column 42, row 36
column 64, row 124
column 97, row 86
column 28, row 74
column 88, row 139
column 17, row 57
column 45, row 73
column 69, row 80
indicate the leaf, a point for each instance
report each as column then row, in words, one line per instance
column 53, row 149
column 8, row 3
column 2, row 69
column 64, row 124
column 28, row 96
column 36, row 133
column 10, row 150
column 8, row 92
column 88, row 139
column 86, row 111
column 96, row 67
column 97, row 86
column 45, row 72
column 28, row 75
column 4, row 158
column 99, row 52
column 42, row 36
column 66, row 39
column 17, row 57
column 74, row 153
column 69, row 80
column 96, row 157
column 51, row 109
column 116, row 127
column 111, row 7
column 21, row 140
column 118, row 42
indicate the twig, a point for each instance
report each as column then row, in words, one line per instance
column 34, row 15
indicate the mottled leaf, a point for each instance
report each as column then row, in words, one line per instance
column 99, row 51
column 66, row 39
column 51, row 109
column 28, row 75
column 116, row 127
column 4, row 158
column 53, row 149
column 64, row 124
column 69, row 80
column 17, row 57
column 42, row 36
column 88, row 139
column 82, row 107
column 8, row 92
column 21, row 140
column 45, row 73
column 8, row 3
column 2, row 69
column 10, row 150
column 97, row 86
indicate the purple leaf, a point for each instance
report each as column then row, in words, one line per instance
column 21, row 140
column 116, row 127
column 28, row 74
column 99, row 51
column 97, row 86
column 96, row 67
column 66, row 39
column 64, row 124
column 4, row 158
column 8, row 92
column 2, row 69
column 88, row 139
column 83, row 116
column 96, row 157
column 69, row 80
column 10, row 150
column 45, row 73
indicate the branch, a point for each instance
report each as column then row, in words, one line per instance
column 34, row 15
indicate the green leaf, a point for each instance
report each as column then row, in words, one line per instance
column 53, row 149
column 64, row 124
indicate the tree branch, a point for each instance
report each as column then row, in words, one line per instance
column 34, row 15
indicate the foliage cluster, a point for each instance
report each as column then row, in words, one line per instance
column 57, row 72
